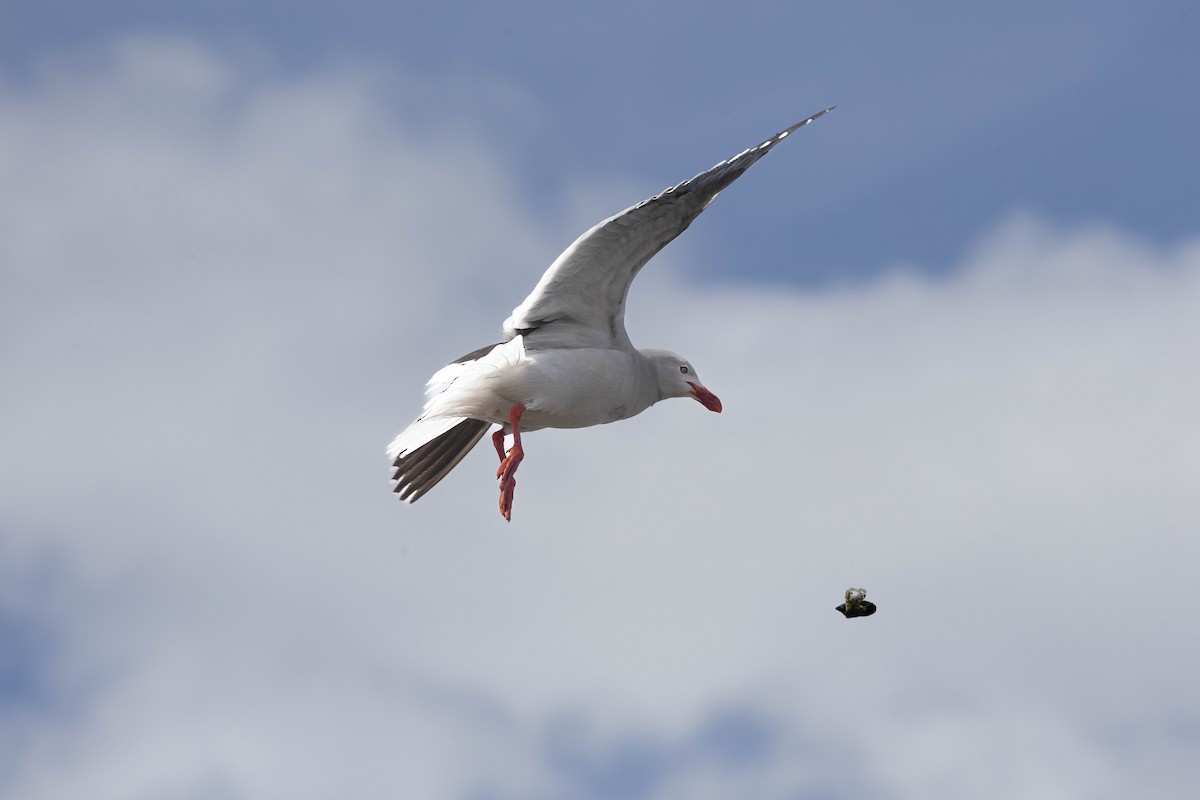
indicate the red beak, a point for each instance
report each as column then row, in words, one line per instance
column 706, row 398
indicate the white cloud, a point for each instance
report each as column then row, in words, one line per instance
column 223, row 291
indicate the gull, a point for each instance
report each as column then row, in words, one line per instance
column 566, row 360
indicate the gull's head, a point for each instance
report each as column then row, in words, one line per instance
column 678, row 378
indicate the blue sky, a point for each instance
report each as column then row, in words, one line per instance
column 954, row 325
column 949, row 117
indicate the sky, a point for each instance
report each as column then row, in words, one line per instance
column 954, row 325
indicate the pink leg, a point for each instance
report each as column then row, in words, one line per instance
column 509, row 463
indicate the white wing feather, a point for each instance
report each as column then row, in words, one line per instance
column 580, row 300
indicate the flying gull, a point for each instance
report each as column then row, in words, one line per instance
column 566, row 360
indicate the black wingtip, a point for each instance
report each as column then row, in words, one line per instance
column 807, row 120
column 419, row 471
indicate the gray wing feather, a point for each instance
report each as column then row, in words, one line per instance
column 580, row 301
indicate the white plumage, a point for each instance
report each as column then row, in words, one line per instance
column 566, row 361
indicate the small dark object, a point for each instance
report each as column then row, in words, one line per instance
column 856, row 604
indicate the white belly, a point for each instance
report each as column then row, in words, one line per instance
column 578, row 388
column 559, row 388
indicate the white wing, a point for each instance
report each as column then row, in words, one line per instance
column 580, row 301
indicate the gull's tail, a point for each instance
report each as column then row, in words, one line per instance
column 428, row 449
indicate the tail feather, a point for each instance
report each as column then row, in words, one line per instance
column 420, row 469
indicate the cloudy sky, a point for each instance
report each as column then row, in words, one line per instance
column 955, row 325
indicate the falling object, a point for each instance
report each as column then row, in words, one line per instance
column 856, row 604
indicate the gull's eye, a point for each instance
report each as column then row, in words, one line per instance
column 683, row 368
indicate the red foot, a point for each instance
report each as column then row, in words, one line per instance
column 508, row 463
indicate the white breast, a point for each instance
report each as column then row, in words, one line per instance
column 580, row 387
